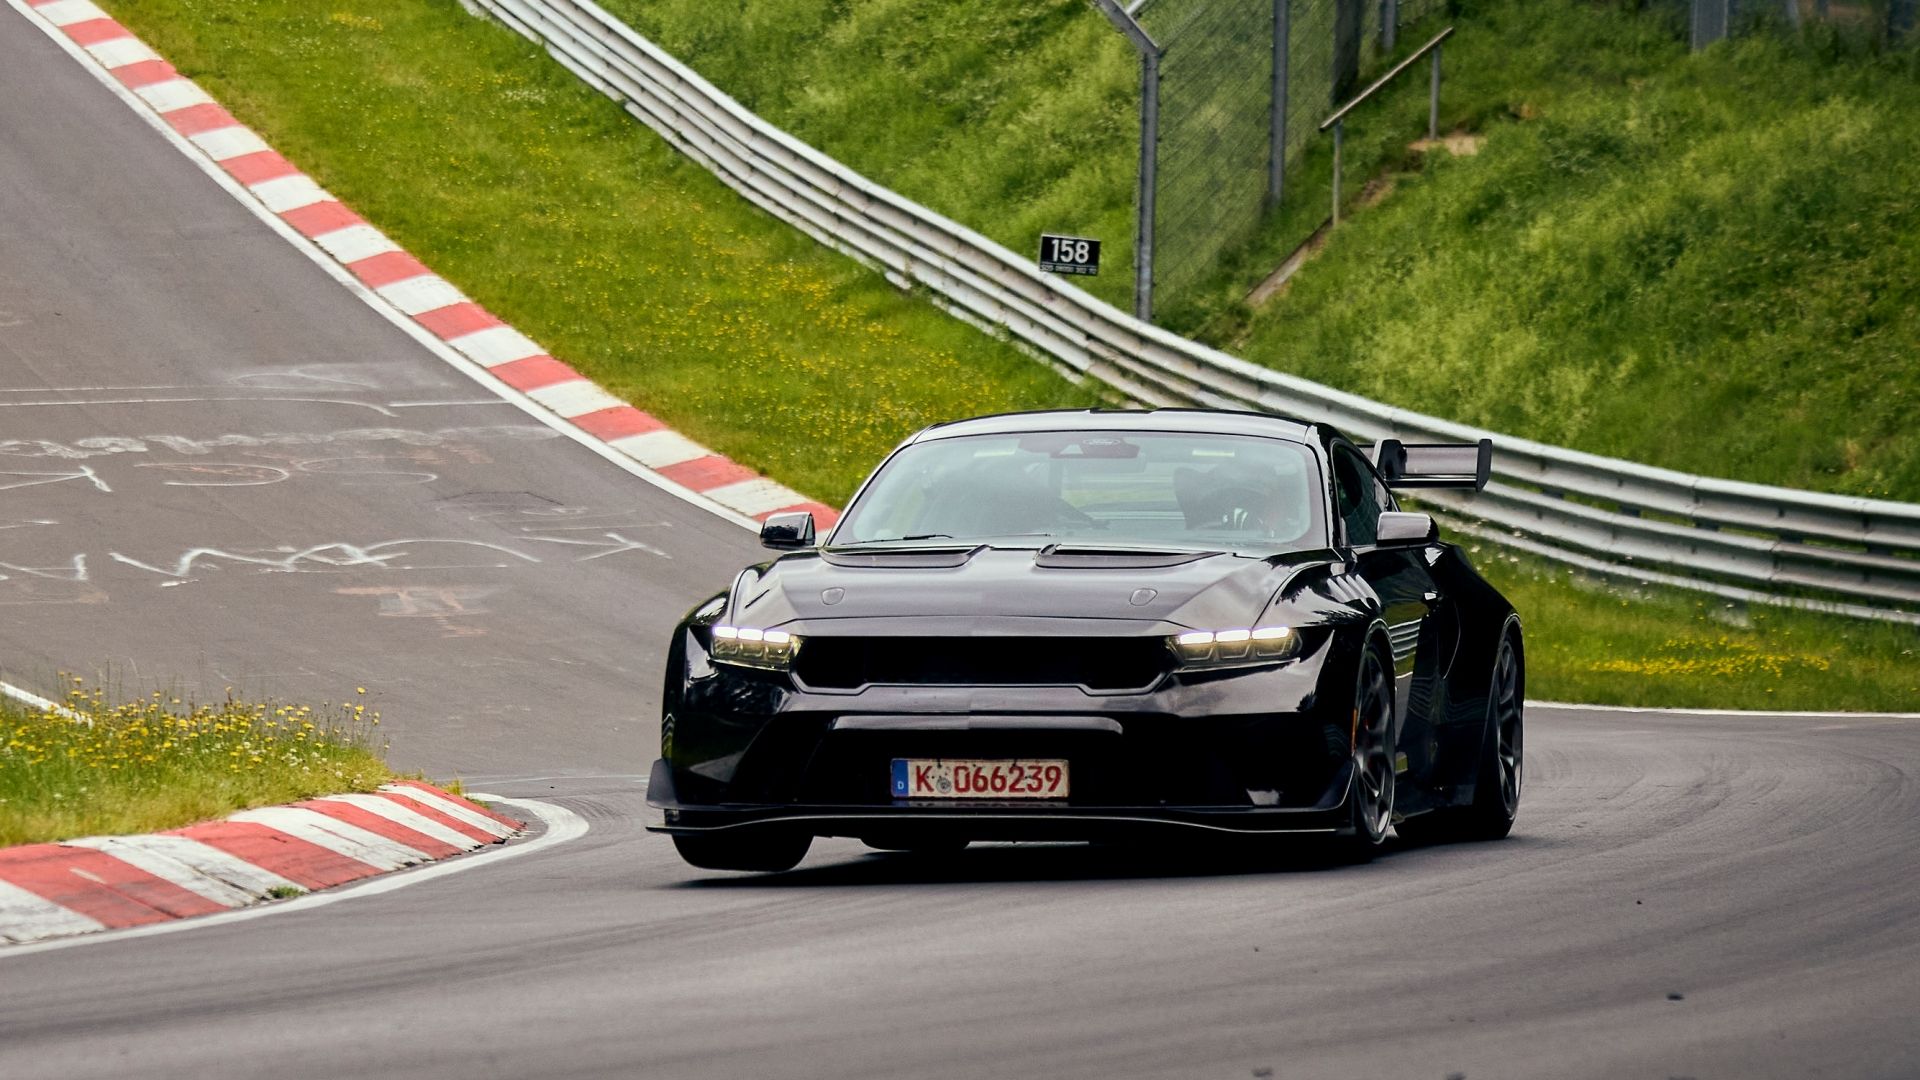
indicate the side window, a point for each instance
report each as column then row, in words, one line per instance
column 1358, row 497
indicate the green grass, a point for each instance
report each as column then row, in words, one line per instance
column 546, row 203
column 568, row 219
column 1599, row 641
column 157, row 763
column 1706, row 262
column 1015, row 117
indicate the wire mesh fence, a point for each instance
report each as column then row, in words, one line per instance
column 1242, row 85
column 1708, row 21
column 1215, row 85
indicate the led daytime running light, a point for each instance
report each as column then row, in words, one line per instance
column 771, row 650
column 1224, row 648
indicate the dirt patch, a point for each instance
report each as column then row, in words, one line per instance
column 1457, row 143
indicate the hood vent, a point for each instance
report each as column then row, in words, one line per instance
column 905, row 557
column 1068, row 557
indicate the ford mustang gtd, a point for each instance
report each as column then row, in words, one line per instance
column 1101, row 625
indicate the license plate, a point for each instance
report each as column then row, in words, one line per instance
column 920, row 778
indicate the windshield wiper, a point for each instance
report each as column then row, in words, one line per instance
column 900, row 539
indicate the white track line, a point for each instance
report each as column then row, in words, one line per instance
column 562, row 825
column 1572, row 706
column 33, row 700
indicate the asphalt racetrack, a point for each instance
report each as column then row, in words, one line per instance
column 220, row 468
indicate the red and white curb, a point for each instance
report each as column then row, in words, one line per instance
column 402, row 281
column 116, row 882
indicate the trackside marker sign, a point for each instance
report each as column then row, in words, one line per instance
column 1069, row 254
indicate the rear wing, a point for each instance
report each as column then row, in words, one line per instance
column 1434, row 465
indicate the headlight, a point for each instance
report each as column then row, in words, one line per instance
column 771, row 650
column 1234, row 648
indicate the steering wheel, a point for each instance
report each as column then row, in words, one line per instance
column 1231, row 508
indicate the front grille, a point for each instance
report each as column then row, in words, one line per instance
column 1109, row 664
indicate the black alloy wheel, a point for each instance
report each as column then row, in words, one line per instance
column 1507, row 708
column 1496, row 790
column 766, row 851
column 1373, row 776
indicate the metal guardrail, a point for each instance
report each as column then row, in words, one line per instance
column 1739, row 540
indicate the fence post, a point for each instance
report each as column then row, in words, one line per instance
column 1277, row 125
column 1149, row 174
column 1339, row 130
column 1389, row 23
column 1710, row 18
column 1433, row 100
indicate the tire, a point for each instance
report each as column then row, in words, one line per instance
column 1496, row 789
column 763, row 851
column 1370, row 800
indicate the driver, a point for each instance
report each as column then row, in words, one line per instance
column 1232, row 497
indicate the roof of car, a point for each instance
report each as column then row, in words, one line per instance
column 1209, row 421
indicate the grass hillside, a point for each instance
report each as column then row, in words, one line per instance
column 1706, row 262
column 1015, row 117
column 1650, row 242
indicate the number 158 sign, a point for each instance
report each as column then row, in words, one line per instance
column 1069, row 254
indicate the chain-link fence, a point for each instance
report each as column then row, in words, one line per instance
column 1709, row 21
column 1232, row 91
column 1215, row 86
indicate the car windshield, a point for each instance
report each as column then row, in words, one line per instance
column 1160, row 489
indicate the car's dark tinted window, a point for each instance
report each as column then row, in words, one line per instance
column 1358, row 496
column 1128, row 487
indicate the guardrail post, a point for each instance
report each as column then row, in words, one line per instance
column 1277, row 122
column 1339, row 129
column 1433, row 100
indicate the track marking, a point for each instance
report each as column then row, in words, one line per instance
column 1787, row 713
column 306, row 216
column 562, row 825
column 192, row 865
column 35, row 701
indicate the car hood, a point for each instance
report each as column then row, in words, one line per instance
column 969, row 589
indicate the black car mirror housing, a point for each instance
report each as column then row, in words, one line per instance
column 1396, row 528
column 787, row 532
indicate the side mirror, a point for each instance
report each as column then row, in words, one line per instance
column 787, row 532
column 1402, row 529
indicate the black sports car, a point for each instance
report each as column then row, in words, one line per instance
column 1101, row 625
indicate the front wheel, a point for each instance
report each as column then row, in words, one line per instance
column 1496, row 790
column 1371, row 798
column 763, row 851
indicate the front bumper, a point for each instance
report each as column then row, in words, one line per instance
column 1248, row 751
